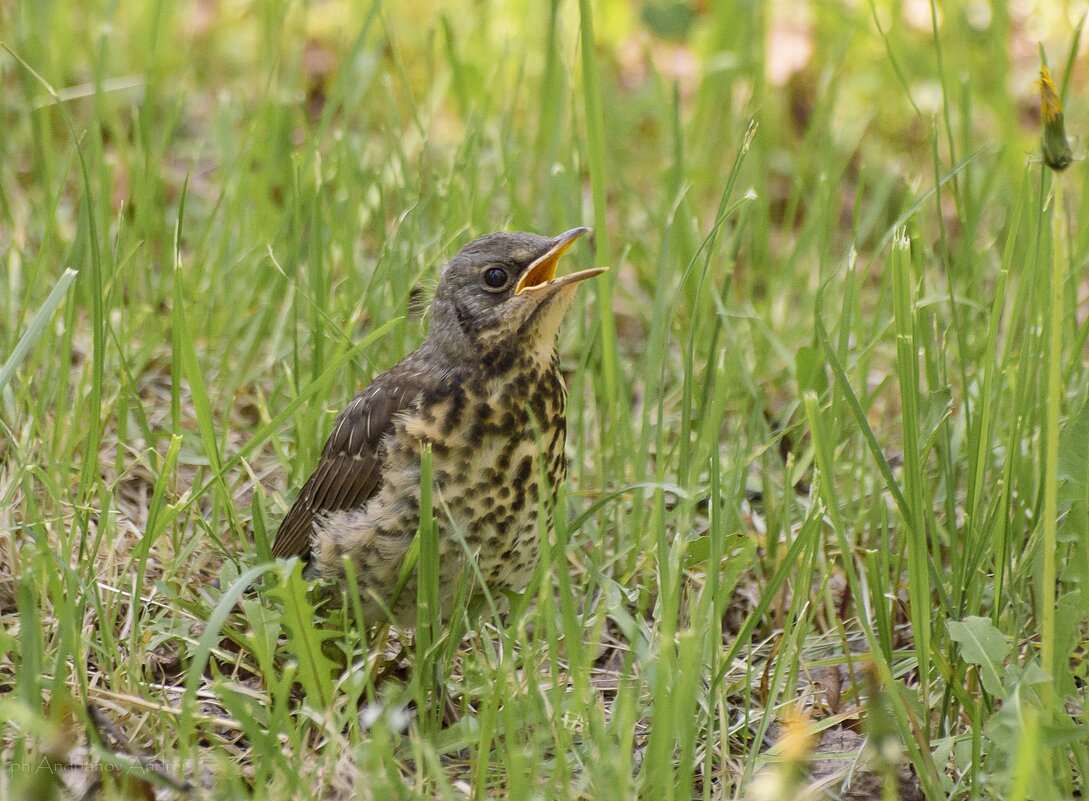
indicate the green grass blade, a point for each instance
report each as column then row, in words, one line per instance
column 36, row 327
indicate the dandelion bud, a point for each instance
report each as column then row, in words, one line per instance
column 1054, row 145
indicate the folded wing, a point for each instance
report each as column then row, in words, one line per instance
column 350, row 469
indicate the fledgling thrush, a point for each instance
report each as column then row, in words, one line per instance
column 485, row 391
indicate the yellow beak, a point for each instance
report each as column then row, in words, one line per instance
column 541, row 275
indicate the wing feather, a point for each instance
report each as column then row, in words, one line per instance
column 349, row 471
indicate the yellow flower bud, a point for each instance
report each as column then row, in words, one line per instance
column 1054, row 145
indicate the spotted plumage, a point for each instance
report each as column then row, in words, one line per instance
column 485, row 391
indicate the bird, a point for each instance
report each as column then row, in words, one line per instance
column 484, row 390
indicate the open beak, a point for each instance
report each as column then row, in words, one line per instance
column 541, row 275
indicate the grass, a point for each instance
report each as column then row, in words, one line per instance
column 827, row 516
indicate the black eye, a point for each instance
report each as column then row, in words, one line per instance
column 495, row 277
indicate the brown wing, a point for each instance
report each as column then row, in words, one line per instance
column 350, row 469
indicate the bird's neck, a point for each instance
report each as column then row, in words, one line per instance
column 496, row 350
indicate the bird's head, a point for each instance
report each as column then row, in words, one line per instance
column 500, row 296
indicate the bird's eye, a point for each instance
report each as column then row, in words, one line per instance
column 495, row 277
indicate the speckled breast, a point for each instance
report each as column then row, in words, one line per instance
column 488, row 439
